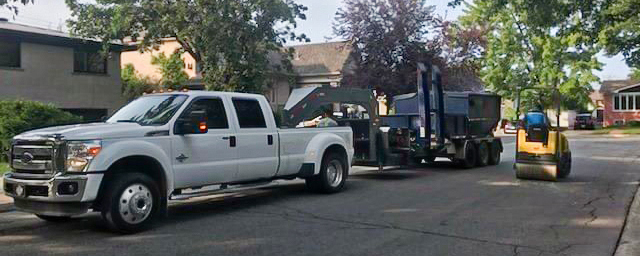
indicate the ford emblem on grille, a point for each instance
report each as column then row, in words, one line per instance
column 26, row 158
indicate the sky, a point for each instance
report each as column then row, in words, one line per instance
column 318, row 25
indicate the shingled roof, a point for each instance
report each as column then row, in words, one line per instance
column 608, row 86
column 321, row 58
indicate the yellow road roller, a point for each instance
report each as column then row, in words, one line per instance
column 542, row 151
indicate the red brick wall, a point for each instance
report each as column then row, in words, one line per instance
column 611, row 116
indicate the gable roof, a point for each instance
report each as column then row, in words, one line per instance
column 614, row 86
column 48, row 36
column 320, row 58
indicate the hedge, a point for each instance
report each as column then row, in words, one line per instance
column 18, row 116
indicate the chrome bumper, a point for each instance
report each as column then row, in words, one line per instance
column 42, row 197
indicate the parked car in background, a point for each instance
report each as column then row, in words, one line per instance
column 511, row 127
column 584, row 121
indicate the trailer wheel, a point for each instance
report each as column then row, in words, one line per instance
column 494, row 155
column 470, row 156
column 483, row 154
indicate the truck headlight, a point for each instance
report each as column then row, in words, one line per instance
column 81, row 153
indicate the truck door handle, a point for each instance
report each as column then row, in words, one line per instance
column 270, row 139
column 231, row 139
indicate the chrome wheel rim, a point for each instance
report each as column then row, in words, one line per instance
column 136, row 203
column 334, row 173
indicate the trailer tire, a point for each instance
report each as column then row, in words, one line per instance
column 494, row 155
column 131, row 192
column 483, row 154
column 470, row 156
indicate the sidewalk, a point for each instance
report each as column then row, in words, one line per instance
column 629, row 242
column 6, row 203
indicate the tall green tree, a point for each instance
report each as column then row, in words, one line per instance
column 619, row 29
column 387, row 38
column 534, row 43
column 172, row 69
column 229, row 39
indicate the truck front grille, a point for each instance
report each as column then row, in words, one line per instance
column 33, row 157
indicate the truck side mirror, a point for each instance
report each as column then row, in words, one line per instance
column 194, row 123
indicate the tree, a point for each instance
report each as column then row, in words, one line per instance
column 172, row 69
column 10, row 4
column 387, row 38
column 542, row 44
column 229, row 39
column 634, row 75
column 619, row 30
column 133, row 85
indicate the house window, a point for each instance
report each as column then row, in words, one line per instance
column 89, row 62
column 9, row 53
column 626, row 102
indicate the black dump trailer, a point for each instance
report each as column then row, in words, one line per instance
column 424, row 125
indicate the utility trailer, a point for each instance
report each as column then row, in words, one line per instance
column 459, row 125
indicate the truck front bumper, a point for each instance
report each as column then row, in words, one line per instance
column 61, row 195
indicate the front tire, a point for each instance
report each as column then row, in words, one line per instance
column 131, row 203
column 333, row 174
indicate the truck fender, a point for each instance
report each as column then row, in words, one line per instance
column 111, row 153
column 318, row 145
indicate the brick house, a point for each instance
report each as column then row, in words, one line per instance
column 621, row 102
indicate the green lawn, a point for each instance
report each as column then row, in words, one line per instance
column 618, row 130
column 4, row 167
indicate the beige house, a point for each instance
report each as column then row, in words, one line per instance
column 53, row 67
column 313, row 65
column 142, row 60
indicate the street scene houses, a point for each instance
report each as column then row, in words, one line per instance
column 305, row 127
column 51, row 66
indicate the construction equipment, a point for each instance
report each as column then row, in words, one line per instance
column 542, row 151
column 427, row 124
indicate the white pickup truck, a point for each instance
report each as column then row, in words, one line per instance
column 168, row 146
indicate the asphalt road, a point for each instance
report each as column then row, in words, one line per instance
column 436, row 210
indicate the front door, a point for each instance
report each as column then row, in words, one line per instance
column 257, row 143
column 206, row 158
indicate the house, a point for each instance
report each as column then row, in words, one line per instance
column 53, row 67
column 621, row 102
column 141, row 61
column 313, row 65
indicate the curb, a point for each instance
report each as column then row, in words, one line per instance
column 8, row 207
column 629, row 241
column 5, row 207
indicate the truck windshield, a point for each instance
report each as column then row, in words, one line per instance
column 149, row 110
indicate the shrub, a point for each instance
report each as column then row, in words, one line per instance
column 633, row 123
column 17, row 116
